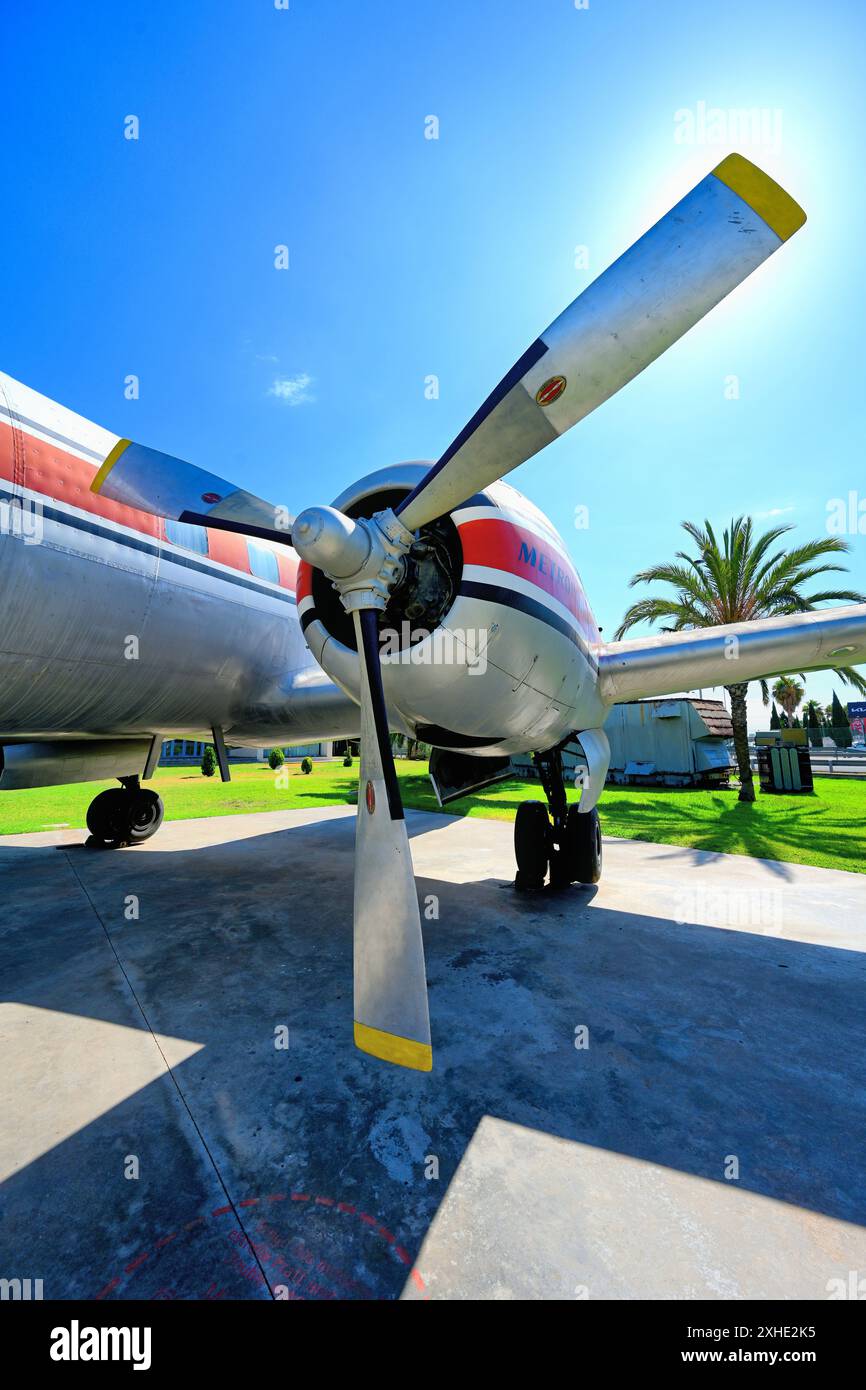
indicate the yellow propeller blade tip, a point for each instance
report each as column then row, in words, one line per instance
column 105, row 469
column 763, row 195
column 404, row 1052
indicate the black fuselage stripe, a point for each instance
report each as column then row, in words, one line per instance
column 494, row 593
column 144, row 547
column 523, row 364
column 370, row 639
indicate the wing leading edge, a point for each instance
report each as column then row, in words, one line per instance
column 667, row 662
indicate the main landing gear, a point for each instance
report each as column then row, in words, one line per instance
column 124, row 815
column 570, row 847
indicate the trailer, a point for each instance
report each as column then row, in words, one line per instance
column 670, row 742
column 677, row 742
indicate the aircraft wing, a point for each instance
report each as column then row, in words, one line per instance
column 667, row 662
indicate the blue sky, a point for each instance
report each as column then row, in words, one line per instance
column 409, row 257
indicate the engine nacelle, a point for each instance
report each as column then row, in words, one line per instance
column 54, row 762
column 488, row 644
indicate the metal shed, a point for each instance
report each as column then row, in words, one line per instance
column 674, row 742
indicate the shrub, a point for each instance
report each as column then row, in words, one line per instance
column 306, row 765
column 347, row 761
column 275, row 758
column 208, row 762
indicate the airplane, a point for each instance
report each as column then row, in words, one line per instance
column 145, row 596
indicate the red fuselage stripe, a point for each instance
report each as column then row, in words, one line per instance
column 499, row 544
column 49, row 469
column 55, row 473
column 494, row 543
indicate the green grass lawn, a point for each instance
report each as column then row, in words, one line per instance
column 827, row 829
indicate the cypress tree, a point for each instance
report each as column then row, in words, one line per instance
column 841, row 727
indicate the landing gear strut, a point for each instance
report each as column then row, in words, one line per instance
column 124, row 815
column 570, row 846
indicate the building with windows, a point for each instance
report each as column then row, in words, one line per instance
column 186, row 752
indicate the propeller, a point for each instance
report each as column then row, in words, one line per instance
column 364, row 558
column 695, row 255
column 669, row 279
column 391, row 1016
column 168, row 486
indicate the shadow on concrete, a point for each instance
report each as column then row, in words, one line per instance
column 703, row 1043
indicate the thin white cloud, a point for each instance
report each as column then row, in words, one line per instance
column 774, row 511
column 293, row 390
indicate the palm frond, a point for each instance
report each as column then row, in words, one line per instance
column 738, row 578
column 653, row 610
column 851, row 676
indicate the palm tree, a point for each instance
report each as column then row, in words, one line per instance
column 789, row 693
column 742, row 579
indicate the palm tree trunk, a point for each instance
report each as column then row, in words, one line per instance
column 741, row 739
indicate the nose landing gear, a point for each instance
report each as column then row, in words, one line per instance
column 570, row 846
column 124, row 815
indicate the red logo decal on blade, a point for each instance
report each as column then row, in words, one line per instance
column 211, row 497
column 370, row 798
column 551, row 390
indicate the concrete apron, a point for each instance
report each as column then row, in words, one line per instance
column 649, row 1089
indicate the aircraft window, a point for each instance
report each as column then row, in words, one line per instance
column 263, row 562
column 189, row 537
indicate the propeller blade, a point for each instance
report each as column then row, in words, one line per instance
column 702, row 249
column 167, row 486
column 391, row 1017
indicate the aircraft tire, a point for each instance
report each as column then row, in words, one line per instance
column 119, row 817
column 531, row 844
column 144, row 815
column 106, row 816
column 583, row 848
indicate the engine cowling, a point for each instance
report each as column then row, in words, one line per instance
column 488, row 644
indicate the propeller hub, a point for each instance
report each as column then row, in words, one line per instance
column 364, row 558
column 331, row 541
